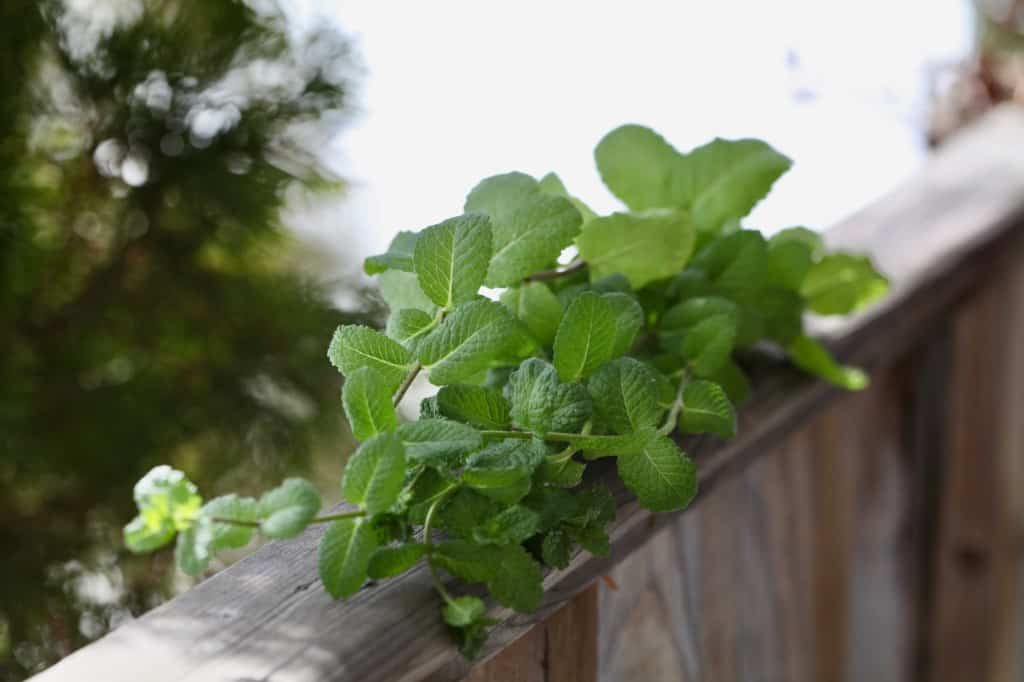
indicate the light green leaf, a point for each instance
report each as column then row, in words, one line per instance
column 629, row 318
column 537, row 307
column 810, row 356
column 344, row 556
column 731, row 378
column 401, row 290
column 644, row 247
column 841, row 283
column 709, row 343
column 375, row 473
column 809, row 238
column 164, row 496
column 194, row 548
column 467, row 342
column 501, row 195
column 409, row 326
column 354, row 346
column 737, row 264
column 791, row 253
column 229, row 535
column 503, row 463
column 387, row 562
column 625, row 396
column 397, row 257
column 706, row 409
column 530, row 238
column 541, row 403
column 511, row 525
column 586, row 337
column 638, row 165
column 567, row 474
column 462, row 611
column 368, row 403
column 451, row 258
column 140, row 537
column 552, row 184
column 287, row 509
column 660, row 475
column 724, row 179
column 476, row 405
column 599, row 446
column 439, row 443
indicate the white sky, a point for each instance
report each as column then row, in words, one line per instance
column 455, row 91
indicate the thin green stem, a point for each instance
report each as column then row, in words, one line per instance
column 677, row 406
column 355, row 513
column 548, row 275
column 406, row 384
column 570, row 450
column 428, row 540
column 236, row 522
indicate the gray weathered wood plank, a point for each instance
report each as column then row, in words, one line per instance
column 267, row 618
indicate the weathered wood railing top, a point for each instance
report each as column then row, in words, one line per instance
column 268, row 618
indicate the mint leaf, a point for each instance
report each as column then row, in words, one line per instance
column 235, row 508
column 367, row 403
column 344, row 556
column 537, row 307
column 472, row 562
column 706, row 409
column 841, row 283
column 731, row 378
column 586, row 337
column 661, row 477
column 610, row 445
column 542, row 404
column 503, row 463
column 567, row 474
column 476, row 405
column 500, row 195
column 552, row 184
column 438, row 443
column 388, row 562
column 625, row 396
column 397, row 257
column 287, row 509
column 375, row 473
column 140, row 537
column 167, row 502
column 451, row 259
column 556, row 549
column 552, row 505
column 530, row 238
column 791, row 253
column 812, row 357
column 468, row 341
column 680, row 319
column 401, row 290
column 724, row 179
column 629, row 318
column 709, row 343
column 354, row 346
column 638, row 166
column 462, row 512
column 463, row 611
column 518, row 585
column 511, row 525
column 737, row 264
column 644, row 247
column 193, row 551
column 409, row 326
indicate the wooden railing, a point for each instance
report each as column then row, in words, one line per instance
column 871, row 536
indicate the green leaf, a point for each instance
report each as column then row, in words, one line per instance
column 737, row 264
column 500, row 195
column 609, row 445
column 397, row 257
column 552, row 505
column 472, row 562
column 709, row 344
column 401, row 291
column 731, row 378
column 556, row 549
column 344, row 556
column 468, row 341
column 660, row 475
column 387, row 562
column 791, row 253
column 503, row 463
column 629, row 318
column 724, row 179
column 409, row 326
column 638, row 165
column 140, row 537
column 368, row 403
column 451, row 259
column 463, row 511
column 841, row 283
column 809, row 238
column 462, row 611
column 537, row 307
column 287, row 509
column 511, row 525
column 644, row 247
column 477, row 405
column 531, row 238
column 586, row 337
column 552, row 184
column 810, row 356
column 193, row 550
column 354, row 346
column 439, row 443
column 229, row 535
column 518, row 585
column 543, row 404
column 625, row 396
column 706, row 409
column 567, row 474
column 165, row 496
column 375, row 473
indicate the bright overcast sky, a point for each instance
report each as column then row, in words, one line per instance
column 457, row 91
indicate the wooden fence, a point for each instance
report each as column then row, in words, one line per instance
column 872, row 536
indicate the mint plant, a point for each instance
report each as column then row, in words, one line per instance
column 608, row 356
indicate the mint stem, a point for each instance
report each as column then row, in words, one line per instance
column 406, row 384
column 677, row 406
column 548, row 275
column 428, row 540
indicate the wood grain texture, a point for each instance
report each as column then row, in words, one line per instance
column 267, row 617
